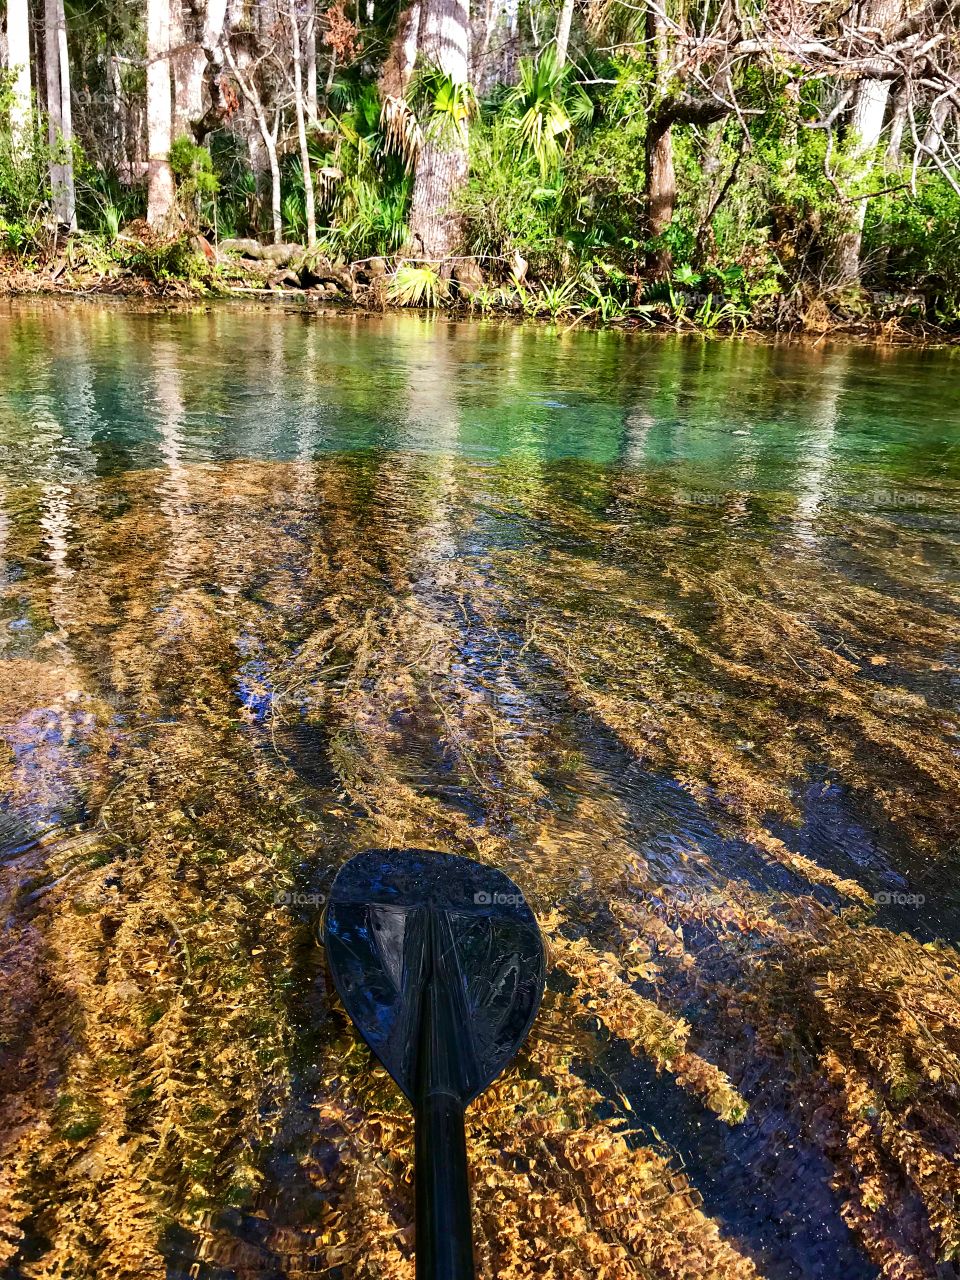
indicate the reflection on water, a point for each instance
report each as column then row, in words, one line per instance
column 667, row 631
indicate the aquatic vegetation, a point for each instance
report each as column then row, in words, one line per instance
column 253, row 669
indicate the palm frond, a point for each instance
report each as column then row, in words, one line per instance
column 402, row 135
column 414, row 285
column 446, row 106
column 544, row 108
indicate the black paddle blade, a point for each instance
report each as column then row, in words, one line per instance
column 400, row 921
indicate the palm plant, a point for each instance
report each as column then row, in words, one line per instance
column 402, row 135
column 369, row 187
column 371, row 217
column 555, row 299
column 545, row 107
column 293, row 207
column 445, row 105
column 112, row 217
column 605, row 304
column 415, row 285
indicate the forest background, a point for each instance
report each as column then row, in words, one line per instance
column 734, row 162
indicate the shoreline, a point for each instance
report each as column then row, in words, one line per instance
column 142, row 295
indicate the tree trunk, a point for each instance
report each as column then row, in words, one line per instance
column 401, row 57
column 866, row 126
column 269, row 137
column 563, row 32
column 276, row 215
column 898, row 123
column 661, row 193
column 59, row 113
column 118, row 133
column 933, row 138
column 197, row 28
column 160, row 188
column 66, row 121
column 510, row 53
column 308, row 197
column 441, row 170
column 51, row 60
column 18, row 64
column 661, row 179
column 310, row 56
column 186, row 69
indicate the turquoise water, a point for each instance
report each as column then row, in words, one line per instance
column 100, row 385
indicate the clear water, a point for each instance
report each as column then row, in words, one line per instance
column 665, row 628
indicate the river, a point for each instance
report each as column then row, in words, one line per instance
column 665, row 628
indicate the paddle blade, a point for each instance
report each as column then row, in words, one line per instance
column 397, row 918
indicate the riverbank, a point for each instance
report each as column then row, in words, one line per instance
column 144, row 269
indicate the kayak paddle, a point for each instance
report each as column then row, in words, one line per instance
column 440, row 964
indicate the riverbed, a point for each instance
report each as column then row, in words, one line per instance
column 665, row 628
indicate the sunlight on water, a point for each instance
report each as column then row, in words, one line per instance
column 667, row 630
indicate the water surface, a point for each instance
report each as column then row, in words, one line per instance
column 666, row 629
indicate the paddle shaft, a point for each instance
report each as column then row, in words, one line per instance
column 444, row 1232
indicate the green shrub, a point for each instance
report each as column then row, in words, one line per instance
column 239, row 207
column 603, row 208
column 507, row 207
column 104, row 203
column 161, row 261
column 24, row 180
column 197, row 184
column 913, row 241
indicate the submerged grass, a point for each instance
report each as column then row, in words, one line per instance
column 244, row 673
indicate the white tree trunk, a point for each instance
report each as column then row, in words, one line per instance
column 898, row 123
column 18, row 63
column 866, row 126
column 310, row 56
column 563, row 32
column 308, row 197
column 186, row 69
column 214, row 26
column 160, row 188
column 270, row 142
column 66, row 122
column 51, row 60
column 933, row 138
column 441, row 171
column 59, row 113
column 269, row 137
column 401, row 57
column 196, row 34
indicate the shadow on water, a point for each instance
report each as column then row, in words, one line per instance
column 765, row 1184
